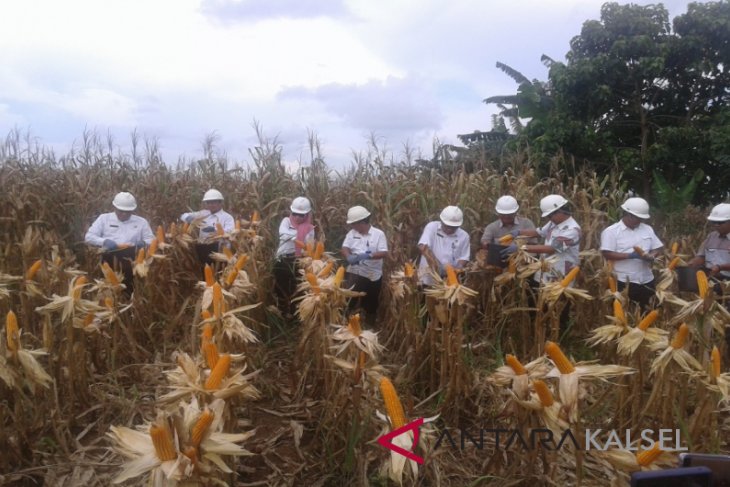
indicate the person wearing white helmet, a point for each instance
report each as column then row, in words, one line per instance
column 631, row 246
column 364, row 249
column 210, row 216
column 443, row 242
column 119, row 233
column 714, row 253
column 295, row 227
column 507, row 223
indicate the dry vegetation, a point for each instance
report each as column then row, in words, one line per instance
column 92, row 376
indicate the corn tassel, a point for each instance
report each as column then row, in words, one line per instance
column 78, row 287
column 515, row 364
column 675, row 248
column 210, row 351
column 618, row 311
column 612, row 286
column 543, row 392
column 33, row 270
column 162, row 440
column 354, row 325
column 12, row 332
column 219, row 229
column 312, row 279
column 715, row 358
column 647, row 457
column 409, row 270
column 160, row 234
column 140, row 256
column 218, row 372
column 673, row 264
column 648, row 320
column 339, row 276
column 241, row 262
column 451, row 279
column 681, row 337
column 393, row 406
column 209, row 275
column 570, row 277
column 558, row 357
column 201, row 426
column 217, row 300
column 326, row 270
column 702, row 284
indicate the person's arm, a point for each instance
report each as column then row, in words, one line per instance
column 95, row 234
column 611, row 255
column 147, row 235
column 228, row 223
column 697, row 261
column 529, row 232
column 381, row 248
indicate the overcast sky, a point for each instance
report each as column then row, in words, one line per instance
column 177, row 70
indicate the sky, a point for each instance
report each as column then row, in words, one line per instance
column 406, row 72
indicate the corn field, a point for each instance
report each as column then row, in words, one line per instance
column 198, row 379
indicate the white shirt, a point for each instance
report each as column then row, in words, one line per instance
column 108, row 226
column 716, row 251
column 210, row 220
column 287, row 235
column 620, row 238
column 358, row 243
column 566, row 248
column 448, row 249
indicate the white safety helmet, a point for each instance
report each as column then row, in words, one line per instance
column 301, row 205
column 720, row 213
column 552, row 202
column 124, row 201
column 452, row 216
column 356, row 214
column 506, row 205
column 637, row 207
column 213, row 195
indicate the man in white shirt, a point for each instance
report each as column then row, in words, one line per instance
column 364, row 248
column 207, row 220
column 119, row 233
column 631, row 246
column 443, row 242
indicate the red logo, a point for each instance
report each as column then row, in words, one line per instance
column 413, row 425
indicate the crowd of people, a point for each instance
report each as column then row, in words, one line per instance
column 630, row 244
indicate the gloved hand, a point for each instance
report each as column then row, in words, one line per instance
column 352, row 259
column 109, row 244
column 140, row 243
column 634, row 255
column 363, row 257
column 515, row 233
column 507, row 251
column 188, row 219
column 210, row 229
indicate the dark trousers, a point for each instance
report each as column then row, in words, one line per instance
column 121, row 260
column 640, row 293
column 285, row 281
column 369, row 302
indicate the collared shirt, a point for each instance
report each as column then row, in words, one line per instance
column 210, row 220
column 358, row 243
column 496, row 230
column 620, row 238
column 107, row 226
column 565, row 239
column 287, row 235
column 447, row 249
column 716, row 251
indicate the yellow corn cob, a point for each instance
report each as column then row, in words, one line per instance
column 154, row 244
column 675, row 248
column 313, row 282
column 110, row 275
column 192, row 453
column 506, row 239
column 208, row 276
column 89, row 319
column 219, row 229
column 409, row 270
column 162, row 440
column 648, row 320
column 186, row 228
column 339, row 276
column 255, row 217
column 241, row 262
column 217, row 300
column 201, row 426
column 393, row 406
column 140, row 256
column 33, row 270
column 12, row 333
column 237, row 225
column 205, row 314
column 207, row 333
column 561, row 361
column 647, row 457
column 681, row 337
column 160, row 234
column 210, row 351
column 109, row 303
column 515, row 364
column 715, row 358
column 231, row 277
column 618, row 311
column 228, row 253
column 451, row 279
column 546, row 397
column 570, row 277
column 673, row 264
column 639, row 250
column 309, row 249
column 702, row 284
column 354, row 325
column 78, row 286
column 326, row 270
column 224, row 307
column 612, row 284
column 173, row 229
column 218, row 372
